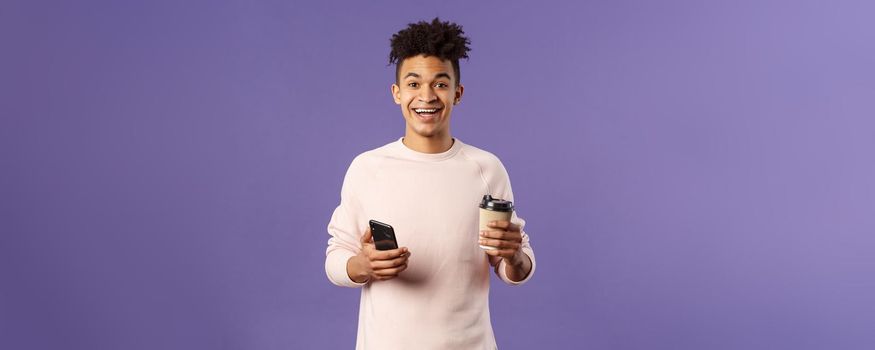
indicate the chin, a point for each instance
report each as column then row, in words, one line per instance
column 426, row 132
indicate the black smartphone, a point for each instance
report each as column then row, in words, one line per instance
column 384, row 235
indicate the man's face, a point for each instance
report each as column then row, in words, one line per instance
column 426, row 91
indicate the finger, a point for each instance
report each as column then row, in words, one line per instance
column 492, row 252
column 505, row 235
column 388, row 254
column 367, row 237
column 507, row 254
column 390, row 272
column 388, row 264
column 504, row 225
column 492, row 234
column 499, row 243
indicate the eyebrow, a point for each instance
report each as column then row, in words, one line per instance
column 439, row 75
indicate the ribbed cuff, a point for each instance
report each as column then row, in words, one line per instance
column 502, row 270
column 335, row 267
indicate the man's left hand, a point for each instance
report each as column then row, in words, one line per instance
column 506, row 238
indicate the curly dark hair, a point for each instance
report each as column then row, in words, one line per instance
column 444, row 40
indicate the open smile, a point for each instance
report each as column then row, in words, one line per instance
column 427, row 113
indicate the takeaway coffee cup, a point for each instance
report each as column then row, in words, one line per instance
column 492, row 209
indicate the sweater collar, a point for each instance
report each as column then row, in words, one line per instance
column 409, row 153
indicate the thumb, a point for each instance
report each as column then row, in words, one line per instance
column 366, row 238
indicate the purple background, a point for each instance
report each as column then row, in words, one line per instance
column 696, row 175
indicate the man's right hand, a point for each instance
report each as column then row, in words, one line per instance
column 377, row 265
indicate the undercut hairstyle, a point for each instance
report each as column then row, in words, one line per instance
column 443, row 40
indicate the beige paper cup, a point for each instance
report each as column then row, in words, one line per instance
column 492, row 209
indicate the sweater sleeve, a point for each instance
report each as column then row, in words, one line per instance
column 502, row 189
column 345, row 241
column 526, row 248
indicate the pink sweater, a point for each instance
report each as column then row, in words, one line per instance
column 441, row 300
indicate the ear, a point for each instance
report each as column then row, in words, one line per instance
column 459, row 91
column 396, row 94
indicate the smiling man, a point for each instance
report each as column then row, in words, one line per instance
column 432, row 291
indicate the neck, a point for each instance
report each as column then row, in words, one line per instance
column 434, row 144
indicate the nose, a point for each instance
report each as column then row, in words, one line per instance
column 427, row 95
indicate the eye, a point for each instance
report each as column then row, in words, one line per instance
column 413, row 85
column 441, row 85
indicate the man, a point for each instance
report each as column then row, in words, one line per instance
column 432, row 292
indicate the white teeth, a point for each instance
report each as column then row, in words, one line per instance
column 422, row 110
